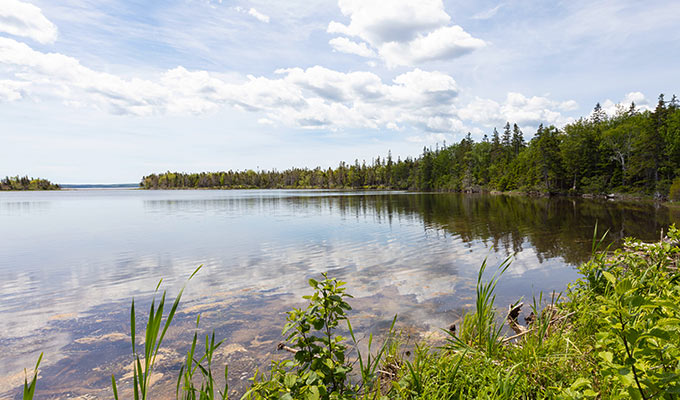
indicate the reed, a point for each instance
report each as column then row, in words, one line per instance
column 145, row 361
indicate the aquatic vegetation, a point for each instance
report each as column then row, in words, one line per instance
column 29, row 389
column 153, row 338
column 614, row 334
column 185, row 381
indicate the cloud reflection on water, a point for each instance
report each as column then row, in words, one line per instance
column 71, row 256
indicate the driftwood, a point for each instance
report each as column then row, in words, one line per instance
column 552, row 321
column 513, row 314
column 282, row 346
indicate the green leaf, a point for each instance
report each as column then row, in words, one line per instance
column 674, row 322
column 313, row 393
column 579, row 383
column 659, row 333
column 634, row 393
column 607, row 356
column 623, row 286
column 289, row 380
column 609, row 277
column 637, row 301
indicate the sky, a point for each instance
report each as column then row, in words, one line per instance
column 107, row 91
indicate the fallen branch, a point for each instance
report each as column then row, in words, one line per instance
column 386, row 373
column 282, row 346
column 519, row 335
column 513, row 314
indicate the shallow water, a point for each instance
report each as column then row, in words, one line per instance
column 71, row 261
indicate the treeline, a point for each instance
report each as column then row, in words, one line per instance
column 26, row 183
column 631, row 151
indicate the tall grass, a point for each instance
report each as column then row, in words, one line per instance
column 481, row 330
column 29, row 389
column 143, row 363
column 187, row 373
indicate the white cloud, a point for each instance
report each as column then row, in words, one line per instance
column 258, row 15
column 637, row 97
column 482, row 111
column 443, row 43
column 60, row 76
column 527, row 112
column 430, row 138
column 488, row 14
column 23, row 19
column 534, row 110
column 316, row 97
column 403, row 32
column 344, row 45
column 379, row 22
column 612, row 108
column 11, row 90
column 254, row 13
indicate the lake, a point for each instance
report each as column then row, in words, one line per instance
column 71, row 262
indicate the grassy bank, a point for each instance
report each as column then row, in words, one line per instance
column 614, row 333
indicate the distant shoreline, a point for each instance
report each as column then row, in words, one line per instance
column 100, row 186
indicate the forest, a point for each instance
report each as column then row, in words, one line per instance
column 26, row 183
column 632, row 151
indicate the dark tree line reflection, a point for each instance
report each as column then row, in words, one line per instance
column 554, row 227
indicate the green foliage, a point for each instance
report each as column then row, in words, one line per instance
column 143, row 363
column 636, row 293
column 29, row 389
column 26, row 183
column 186, row 379
column 674, row 191
column 630, row 151
column 320, row 369
column 480, row 329
column 368, row 366
column 617, row 336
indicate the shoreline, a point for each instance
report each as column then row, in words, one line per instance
column 575, row 346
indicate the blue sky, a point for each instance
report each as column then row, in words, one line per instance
column 110, row 90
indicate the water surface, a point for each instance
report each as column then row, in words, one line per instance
column 71, row 261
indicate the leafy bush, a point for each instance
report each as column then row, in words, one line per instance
column 637, row 337
column 319, row 369
column 674, row 191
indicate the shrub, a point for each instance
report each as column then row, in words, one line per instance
column 674, row 192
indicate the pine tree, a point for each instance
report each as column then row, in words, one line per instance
column 517, row 140
column 598, row 115
column 673, row 104
column 507, row 136
column 496, row 148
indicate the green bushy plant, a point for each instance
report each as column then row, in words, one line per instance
column 635, row 293
column 674, row 191
column 320, row 369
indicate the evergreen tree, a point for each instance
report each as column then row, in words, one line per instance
column 517, row 140
column 507, row 136
column 598, row 115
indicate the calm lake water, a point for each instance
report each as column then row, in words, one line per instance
column 71, row 261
